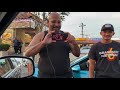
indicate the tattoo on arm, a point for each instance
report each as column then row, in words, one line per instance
column 75, row 49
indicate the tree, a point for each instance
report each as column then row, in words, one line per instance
column 63, row 14
column 45, row 17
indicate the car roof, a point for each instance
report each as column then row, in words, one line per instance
column 79, row 59
column 5, row 19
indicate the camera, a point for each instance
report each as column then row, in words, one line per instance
column 59, row 36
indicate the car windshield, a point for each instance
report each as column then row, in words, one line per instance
column 84, row 26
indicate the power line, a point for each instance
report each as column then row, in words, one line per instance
column 82, row 25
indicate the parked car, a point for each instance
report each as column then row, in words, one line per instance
column 85, row 49
column 79, row 67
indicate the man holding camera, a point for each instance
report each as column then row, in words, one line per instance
column 53, row 47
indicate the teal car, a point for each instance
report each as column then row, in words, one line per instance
column 79, row 67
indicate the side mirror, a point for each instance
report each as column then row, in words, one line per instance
column 14, row 67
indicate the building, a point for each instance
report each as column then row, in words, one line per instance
column 91, row 41
column 24, row 27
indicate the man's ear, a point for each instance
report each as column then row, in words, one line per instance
column 47, row 22
column 100, row 33
column 113, row 33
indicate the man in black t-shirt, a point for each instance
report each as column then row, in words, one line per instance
column 104, row 56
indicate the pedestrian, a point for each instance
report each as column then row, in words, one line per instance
column 20, row 45
column 104, row 56
column 54, row 51
column 16, row 45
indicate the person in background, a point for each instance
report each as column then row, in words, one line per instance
column 16, row 45
column 20, row 45
column 104, row 56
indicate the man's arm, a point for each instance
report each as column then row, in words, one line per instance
column 35, row 45
column 91, row 68
column 73, row 45
column 75, row 49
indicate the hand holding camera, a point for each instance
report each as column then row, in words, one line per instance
column 58, row 36
column 70, row 39
column 48, row 38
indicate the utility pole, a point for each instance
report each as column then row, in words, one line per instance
column 82, row 25
column 86, row 36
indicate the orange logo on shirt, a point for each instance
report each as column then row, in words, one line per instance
column 111, row 56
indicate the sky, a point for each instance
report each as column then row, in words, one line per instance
column 93, row 21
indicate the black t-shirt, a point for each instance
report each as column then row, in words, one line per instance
column 16, row 43
column 107, row 57
column 55, row 56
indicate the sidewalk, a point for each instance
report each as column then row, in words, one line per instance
column 12, row 52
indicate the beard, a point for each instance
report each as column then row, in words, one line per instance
column 56, row 28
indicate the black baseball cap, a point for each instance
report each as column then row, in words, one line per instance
column 107, row 26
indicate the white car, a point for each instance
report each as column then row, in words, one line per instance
column 85, row 49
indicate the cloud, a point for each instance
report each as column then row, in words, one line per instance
column 93, row 22
column 116, row 15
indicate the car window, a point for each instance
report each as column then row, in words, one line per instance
column 85, row 50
